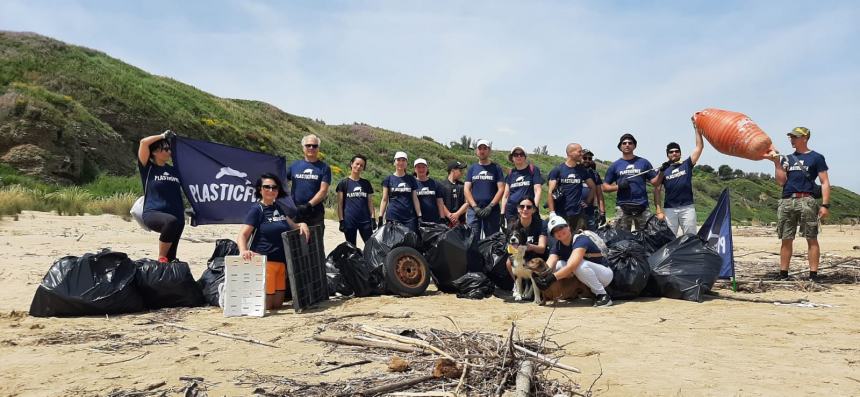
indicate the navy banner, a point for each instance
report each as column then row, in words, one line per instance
column 218, row 180
column 717, row 231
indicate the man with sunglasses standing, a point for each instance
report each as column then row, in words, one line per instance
column 676, row 177
column 594, row 208
column 484, row 187
column 798, row 207
column 310, row 179
column 565, row 183
column 627, row 176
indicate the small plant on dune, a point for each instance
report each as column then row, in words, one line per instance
column 117, row 204
column 70, row 201
column 15, row 198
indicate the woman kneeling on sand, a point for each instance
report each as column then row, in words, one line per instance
column 163, row 210
column 261, row 235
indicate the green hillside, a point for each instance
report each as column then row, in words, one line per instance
column 72, row 115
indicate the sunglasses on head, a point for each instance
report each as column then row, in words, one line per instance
column 525, row 206
column 312, row 146
column 628, row 143
column 270, row 187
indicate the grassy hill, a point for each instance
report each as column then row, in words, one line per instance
column 72, row 116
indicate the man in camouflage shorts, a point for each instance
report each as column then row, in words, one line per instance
column 799, row 207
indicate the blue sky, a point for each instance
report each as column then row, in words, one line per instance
column 527, row 73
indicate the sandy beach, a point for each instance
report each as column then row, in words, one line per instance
column 647, row 347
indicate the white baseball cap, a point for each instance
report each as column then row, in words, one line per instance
column 400, row 155
column 420, row 161
column 483, row 142
column 554, row 223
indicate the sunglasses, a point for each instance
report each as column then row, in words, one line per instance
column 518, row 154
column 588, row 158
column 312, row 146
column 525, row 207
column 628, row 143
column 674, row 151
column 270, row 187
column 164, row 148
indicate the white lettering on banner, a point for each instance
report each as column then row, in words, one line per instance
column 212, row 192
column 721, row 245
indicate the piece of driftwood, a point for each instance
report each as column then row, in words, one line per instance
column 363, row 343
column 390, row 387
column 544, row 360
column 347, row 365
column 524, row 379
column 221, row 334
column 122, row 361
column 407, row 340
column 759, row 300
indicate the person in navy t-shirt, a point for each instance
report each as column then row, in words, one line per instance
column 163, row 210
column 627, row 176
column 484, row 188
column 400, row 196
column 310, row 179
column 429, row 194
column 261, row 233
column 355, row 202
column 676, row 178
column 524, row 181
column 595, row 209
column 796, row 173
column 566, row 179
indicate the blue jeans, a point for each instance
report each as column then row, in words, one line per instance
column 487, row 225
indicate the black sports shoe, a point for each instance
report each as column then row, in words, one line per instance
column 603, row 300
column 815, row 278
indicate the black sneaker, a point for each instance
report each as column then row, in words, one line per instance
column 603, row 300
column 814, row 278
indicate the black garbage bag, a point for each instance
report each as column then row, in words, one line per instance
column 686, row 268
column 93, row 284
column 630, row 270
column 167, row 284
column 357, row 276
column 612, row 235
column 390, row 236
column 449, row 258
column 655, row 235
column 430, row 233
column 474, row 285
column 493, row 251
column 213, row 276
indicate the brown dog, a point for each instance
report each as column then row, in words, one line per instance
column 565, row 289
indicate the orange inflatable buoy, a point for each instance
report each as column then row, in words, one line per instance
column 734, row 134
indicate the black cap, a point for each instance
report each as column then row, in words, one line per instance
column 455, row 164
column 672, row 145
column 626, row 137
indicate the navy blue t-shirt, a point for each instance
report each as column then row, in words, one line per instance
column 163, row 191
column 637, row 194
column 484, row 179
column 307, row 178
column 802, row 169
column 569, row 181
column 356, row 194
column 428, row 192
column 400, row 207
column 595, row 176
column 581, row 241
column 678, row 182
column 533, row 232
column 522, row 184
column 268, row 222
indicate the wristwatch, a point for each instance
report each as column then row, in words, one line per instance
column 826, row 205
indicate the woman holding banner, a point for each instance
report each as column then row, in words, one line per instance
column 261, row 235
column 163, row 210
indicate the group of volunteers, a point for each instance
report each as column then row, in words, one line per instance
column 488, row 200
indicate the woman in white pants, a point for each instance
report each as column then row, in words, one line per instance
column 576, row 256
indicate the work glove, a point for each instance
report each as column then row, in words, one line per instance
column 342, row 227
column 543, row 281
column 168, row 135
column 483, row 212
column 378, row 223
column 302, row 208
column 420, row 219
column 601, row 219
column 665, row 166
column 623, row 184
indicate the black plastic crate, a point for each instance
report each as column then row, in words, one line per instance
column 306, row 268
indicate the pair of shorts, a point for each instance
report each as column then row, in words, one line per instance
column 276, row 277
column 797, row 213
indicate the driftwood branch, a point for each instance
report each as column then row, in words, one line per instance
column 524, row 379
column 390, row 387
column 347, row 365
column 122, row 361
column 221, row 334
column 544, row 360
column 364, row 343
column 407, row 340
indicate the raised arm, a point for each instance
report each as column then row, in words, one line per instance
column 697, row 151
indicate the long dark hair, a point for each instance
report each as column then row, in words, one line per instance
column 159, row 144
column 259, row 185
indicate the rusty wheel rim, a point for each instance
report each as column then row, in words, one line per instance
column 409, row 271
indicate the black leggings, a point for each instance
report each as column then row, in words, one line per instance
column 365, row 232
column 169, row 226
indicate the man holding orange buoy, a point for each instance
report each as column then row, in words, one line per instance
column 676, row 178
column 798, row 208
column 629, row 173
